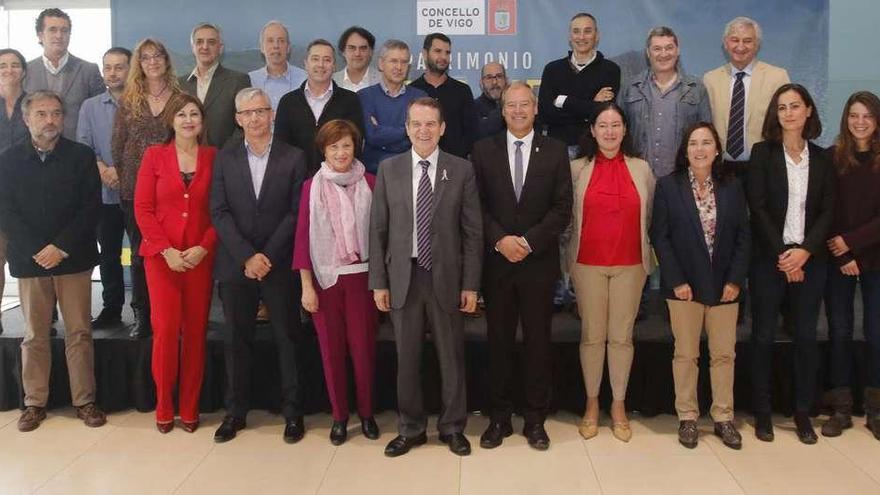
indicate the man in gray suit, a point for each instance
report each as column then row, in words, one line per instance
column 214, row 85
column 426, row 238
column 58, row 71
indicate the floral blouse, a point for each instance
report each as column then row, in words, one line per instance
column 705, row 208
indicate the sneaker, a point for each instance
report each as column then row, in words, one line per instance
column 91, row 415
column 31, row 418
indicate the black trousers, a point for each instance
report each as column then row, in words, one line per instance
column 520, row 298
column 111, row 229
column 140, row 299
column 768, row 287
column 281, row 291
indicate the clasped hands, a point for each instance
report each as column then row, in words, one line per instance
column 468, row 301
column 791, row 262
column 838, row 247
column 181, row 261
column 728, row 294
column 257, row 267
column 49, row 257
column 514, row 248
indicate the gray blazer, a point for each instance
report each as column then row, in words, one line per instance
column 219, row 102
column 457, row 228
column 82, row 80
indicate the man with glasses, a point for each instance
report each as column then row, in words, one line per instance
column 356, row 45
column 493, row 82
column 255, row 220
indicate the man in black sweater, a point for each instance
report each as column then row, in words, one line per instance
column 319, row 100
column 572, row 86
column 454, row 96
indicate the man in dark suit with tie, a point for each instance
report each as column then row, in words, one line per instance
column 426, row 239
column 254, row 203
column 214, row 85
column 525, row 187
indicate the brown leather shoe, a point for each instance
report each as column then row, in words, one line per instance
column 31, row 418
column 91, row 415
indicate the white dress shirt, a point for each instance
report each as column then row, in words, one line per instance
column 257, row 164
column 747, row 82
column 61, row 63
column 317, row 102
column 350, row 85
column 203, row 82
column 417, row 176
column 798, row 179
column 526, row 153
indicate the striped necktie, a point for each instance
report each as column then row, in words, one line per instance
column 424, row 213
column 735, row 144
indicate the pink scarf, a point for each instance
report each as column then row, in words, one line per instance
column 339, row 219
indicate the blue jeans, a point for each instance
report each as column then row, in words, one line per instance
column 840, row 292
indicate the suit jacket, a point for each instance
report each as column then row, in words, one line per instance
column 295, row 123
column 542, row 212
column 82, row 80
column 247, row 225
column 766, row 79
column 768, row 200
column 457, row 230
column 168, row 213
column 219, row 102
column 680, row 245
column 643, row 178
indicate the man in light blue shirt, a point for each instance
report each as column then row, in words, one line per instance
column 277, row 77
column 94, row 129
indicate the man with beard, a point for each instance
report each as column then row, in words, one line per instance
column 493, row 81
column 50, row 197
column 455, row 97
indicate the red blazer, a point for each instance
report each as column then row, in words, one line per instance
column 167, row 212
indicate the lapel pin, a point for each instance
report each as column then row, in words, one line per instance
column 537, row 149
column 444, row 177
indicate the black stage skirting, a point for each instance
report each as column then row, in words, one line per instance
column 122, row 369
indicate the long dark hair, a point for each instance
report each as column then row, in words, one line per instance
column 845, row 146
column 681, row 159
column 589, row 146
column 772, row 129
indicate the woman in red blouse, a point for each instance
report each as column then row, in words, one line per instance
column 171, row 207
column 609, row 258
column 330, row 252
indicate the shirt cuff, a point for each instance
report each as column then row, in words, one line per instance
column 524, row 243
column 559, row 101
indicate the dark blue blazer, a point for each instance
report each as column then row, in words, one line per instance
column 677, row 236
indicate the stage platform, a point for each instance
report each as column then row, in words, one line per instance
column 122, row 367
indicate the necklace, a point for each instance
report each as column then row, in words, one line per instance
column 157, row 97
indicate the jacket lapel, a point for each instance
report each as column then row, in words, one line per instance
column 686, row 194
column 214, row 89
column 271, row 168
column 441, row 177
column 503, row 163
column 71, row 72
column 245, row 171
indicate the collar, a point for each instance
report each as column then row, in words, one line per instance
column 247, row 147
column 693, row 179
column 488, row 99
column 107, row 97
column 326, row 94
column 348, row 79
column 527, row 140
column 804, row 156
column 388, row 92
column 601, row 158
column 579, row 67
column 284, row 75
column 209, row 74
column 61, row 64
column 433, row 157
column 748, row 69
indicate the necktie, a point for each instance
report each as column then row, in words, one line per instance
column 735, row 144
column 518, row 169
column 424, row 212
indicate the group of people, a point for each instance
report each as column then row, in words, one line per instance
column 350, row 193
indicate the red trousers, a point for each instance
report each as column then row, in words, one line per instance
column 346, row 323
column 179, row 304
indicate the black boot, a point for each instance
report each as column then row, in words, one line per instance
column 841, row 402
column 872, row 410
column 141, row 328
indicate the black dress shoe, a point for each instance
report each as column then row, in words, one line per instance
column 294, row 430
column 495, row 434
column 228, row 428
column 401, row 445
column 339, row 432
column 764, row 427
column 537, row 436
column 726, row 431
column 458, row 443
column 804, row 427
column 370, row 428
column 106, row 319
column 141, row 329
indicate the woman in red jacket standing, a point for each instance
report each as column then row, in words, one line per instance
column 171, row 207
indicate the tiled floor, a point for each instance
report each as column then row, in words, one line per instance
column 128, row 456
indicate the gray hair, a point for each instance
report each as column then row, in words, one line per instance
column 205, row 25
column 270, row 24
column 29, row 98
column 392, row 44
column 248, row 94
column 519, row 84
column 660, row 32
column 742, row 22
column 503, row 68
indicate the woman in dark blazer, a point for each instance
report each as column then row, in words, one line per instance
column 791, row 197
column 171, row 207
column 854, row 241
column 700, row 234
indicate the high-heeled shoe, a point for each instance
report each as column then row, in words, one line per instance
column 622, row 431
column 164, row 427
column 190, row 426
column 588, row 428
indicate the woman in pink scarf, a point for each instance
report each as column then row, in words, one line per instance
column 330, row 253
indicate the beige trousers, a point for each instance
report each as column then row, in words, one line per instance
column 688, row 319
column 74, row 295
column 608, row 300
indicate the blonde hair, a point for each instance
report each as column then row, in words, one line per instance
column 134, row 96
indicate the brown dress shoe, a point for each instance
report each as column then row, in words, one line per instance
column 91, row 415
column 31, row 418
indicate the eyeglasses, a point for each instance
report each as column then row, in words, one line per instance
column 259, row 112
column 497, row 77
column 150, row 58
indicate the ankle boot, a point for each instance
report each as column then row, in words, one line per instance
column 872, row 410
column 141, row 328
column 841, row 402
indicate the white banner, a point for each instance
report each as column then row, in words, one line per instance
column 451, row 17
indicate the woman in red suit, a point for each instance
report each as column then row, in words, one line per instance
column 171, row 208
